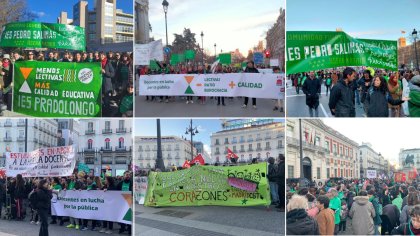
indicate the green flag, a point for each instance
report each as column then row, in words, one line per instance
column 225, row 58
column 177, row 58
column 312, row 50
column 189, row 54
column 83, row 167
column 51, row 89
column 210, row 185
column 43, row 35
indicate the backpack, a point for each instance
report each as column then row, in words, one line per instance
column 32, row 197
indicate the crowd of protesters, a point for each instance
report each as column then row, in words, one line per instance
column 29, row 199
column 372, row 207
column 200, row 69
column 117, row 77
column 379, row 92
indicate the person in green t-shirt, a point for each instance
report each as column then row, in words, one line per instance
column 335, row 205
column 126, row 105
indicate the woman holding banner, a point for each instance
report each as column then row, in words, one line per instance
column 43, row 197
column 107, row 226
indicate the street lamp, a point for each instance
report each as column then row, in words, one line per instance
column 414, row 34
column 159, row 157
column 165, row 5
column 215, row 50
column 202, row 48
column 192, row 131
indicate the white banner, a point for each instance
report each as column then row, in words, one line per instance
column 145, row 52
column 140, row 189
column 274, row 62
column 256, row 85
column 112, row 206
column 371, row 174
column 43, row 162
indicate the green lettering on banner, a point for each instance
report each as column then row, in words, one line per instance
column 312, row 50
column 50, row 89
column 43, row 35
column 208, row 185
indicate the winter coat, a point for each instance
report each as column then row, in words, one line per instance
column 404, row 229
column 342, row 100
column 325, row 220
column 273, row 174
column 414, row 102
column 362, row 214
column 377, row 103
column 312, row 88
column 299, row 223
column 364, row 88
column 377, row 219
column 43, row 199
column 395, row 91
column 405, row 214
column 391, row 211
column 107, row 77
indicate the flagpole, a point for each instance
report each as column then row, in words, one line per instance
column 300, row 148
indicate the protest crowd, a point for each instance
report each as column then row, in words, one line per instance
column 381, row 93
column 117, row 76
column 29, row 199
column 369, row 206
column 217, row 68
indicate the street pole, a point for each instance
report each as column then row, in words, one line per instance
column 26, row 134
column 159, row 159
column 202, row 48
column 192, row 153
column 415, row 52
column 300, row 148
column 165, row 5
column 192, row 131
column 215, row 51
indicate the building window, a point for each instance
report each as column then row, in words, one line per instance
column 90, row 126
column 290, row 171
column 317, row 141
column 217, row 151
column 234, row 140
column 341, row 172
column 121, row 124
column 335, row 148
column 90, row 144
column 234, row 148
column 258, row 145
column 107, row 125
column 107, row 143
column 327, row 145
column 242, row 139
column 226, row 140
column 318, row 173
column 217, row 142
column 121, row 142
column 328, row 172
column 267, row 144
column 335, row 173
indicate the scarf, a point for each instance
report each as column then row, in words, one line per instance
column 103, row 63
column 6, row 63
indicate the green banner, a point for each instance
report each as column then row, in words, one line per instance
column 177, row 58
column 210, row 185
column 312, row 50
column 225, row 58
column 189, row 54
column 43, row 35
column 53, row 89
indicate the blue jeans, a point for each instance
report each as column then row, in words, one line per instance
column 274, row 190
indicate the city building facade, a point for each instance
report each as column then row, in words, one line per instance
column 275, row 39
column 142, row 23
column 175, row 151
column 371, row 160
column 104, row 24
column 326, row 152
column 407, row 56
column 248, row 139
column 106, row 145
column 26, row 135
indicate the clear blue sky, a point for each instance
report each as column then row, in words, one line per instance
column 177, row 127
column 371, row 19
column 49, row 10
column 231, row 24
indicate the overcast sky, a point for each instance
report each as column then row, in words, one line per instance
column 230, row 24
column 387, row 135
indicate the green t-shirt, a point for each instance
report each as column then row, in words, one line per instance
column 398, row 202
column 57, row 187
column 335, row 205
column 340, row 195
column 126, row 104
column 125, row 186
column 71, row 185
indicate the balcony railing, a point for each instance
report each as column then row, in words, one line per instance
column 242, row 150
column 258, row 139
column 242, row 141
column 121, row 149
column 87, row 132
column 216, row 144
column 250, row 149
column 250, row 140
column 90, row 161
column 21, row 123
column 217, row 153
column 88, row 149
column 106, row 131
column 20, row 139
column 226, row 141
column 7, row 124
column 267, row 137
column 7, row 139
column 267, row 148
column 106, row 149
column 121, row 130
column 258, row 149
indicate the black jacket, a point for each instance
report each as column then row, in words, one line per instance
column 251, row 70
column 299, row 223
column 43, row 198
column 312, row 87
column 377, row 103
column 107, row 77
column 119, row 186
column 273, row 173
column 342, row 100
column 392, row 213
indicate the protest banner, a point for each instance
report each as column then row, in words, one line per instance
column 177, row 58
column 274, row 62
column 316, row 50
column 256, row 85
column 43, row 35
column 43, row 162
column 114, row 206
column 140, row 189
column 49, row 89
column 225, row 58
column 210, row 185
column 371, row 174
column 144, row 53
column 189, row 54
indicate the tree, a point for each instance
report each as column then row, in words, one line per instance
column 250, row 56
column 15, row 10
column 184, row 41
